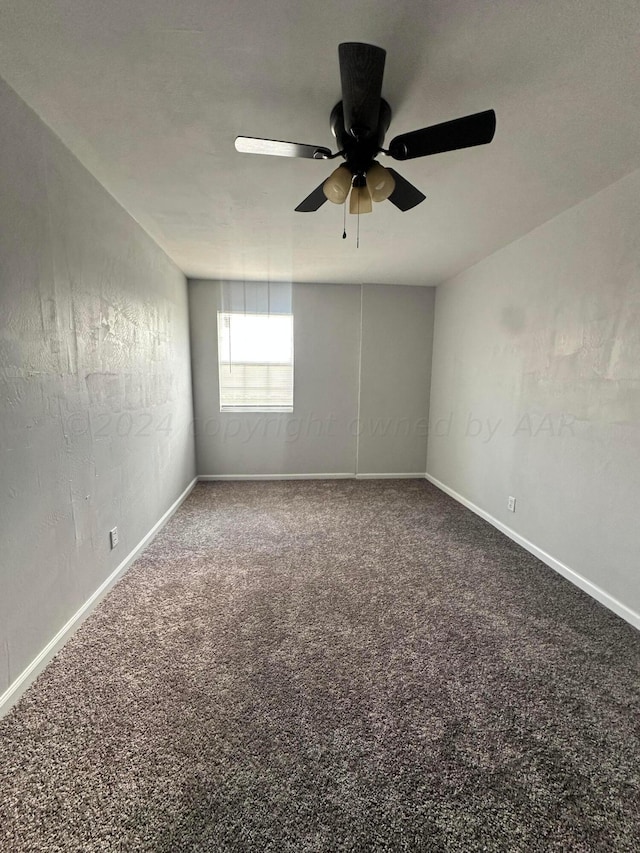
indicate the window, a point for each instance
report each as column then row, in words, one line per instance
column 255, row 357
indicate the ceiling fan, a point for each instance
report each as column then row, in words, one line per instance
column 359, row 123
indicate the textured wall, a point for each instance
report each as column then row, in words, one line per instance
column 536, row 388
column 321, row 435
column 95, row 393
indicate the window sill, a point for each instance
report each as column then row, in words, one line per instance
column 246, row 409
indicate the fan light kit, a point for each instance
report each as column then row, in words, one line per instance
column 359, row 123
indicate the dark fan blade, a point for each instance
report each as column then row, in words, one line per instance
column 405, row 195
column 477, row 129
column 252, row 145
column 361, row 71
column 313, row 202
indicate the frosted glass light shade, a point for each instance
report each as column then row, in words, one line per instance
column 360, row 200
column 336, row 187
column 380, row 182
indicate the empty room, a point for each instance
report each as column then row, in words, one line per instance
column 319, row 426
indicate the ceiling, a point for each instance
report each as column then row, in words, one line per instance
column 150, row 95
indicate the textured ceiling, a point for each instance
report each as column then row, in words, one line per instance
column 151, row 94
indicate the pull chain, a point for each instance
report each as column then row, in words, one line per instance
column 358, row 227
column 344, row 222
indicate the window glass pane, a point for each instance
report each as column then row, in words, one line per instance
column 255, row 353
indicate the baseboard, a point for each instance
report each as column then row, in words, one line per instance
column 577, row 579
column 345, row 476
column 205, row 477
column 27, row 676
column 418, row 476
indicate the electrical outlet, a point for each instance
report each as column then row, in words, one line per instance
column 511, row 504
column 113, row 537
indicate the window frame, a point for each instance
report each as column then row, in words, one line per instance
column 262, row 408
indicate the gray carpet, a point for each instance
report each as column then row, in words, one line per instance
column 331, row 665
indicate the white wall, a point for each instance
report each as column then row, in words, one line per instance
column 536, row 389
column 95, row 391
column 324, row 434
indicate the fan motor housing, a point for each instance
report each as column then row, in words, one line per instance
column 359, row 153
